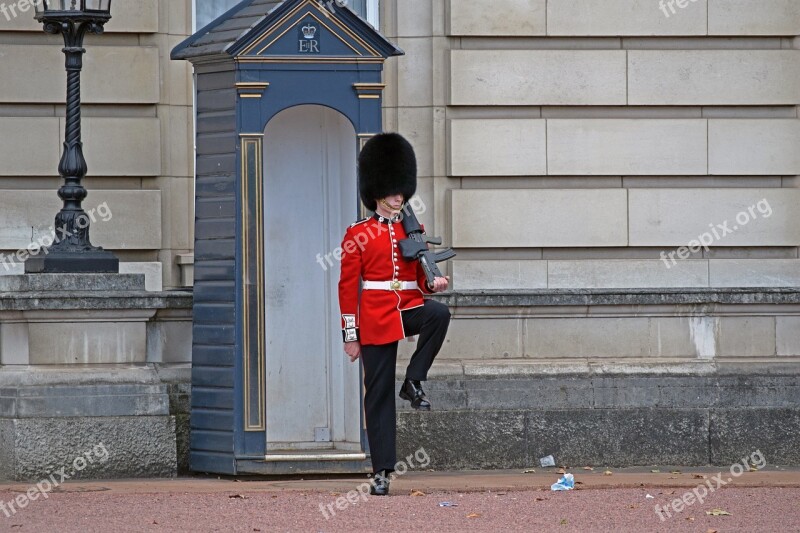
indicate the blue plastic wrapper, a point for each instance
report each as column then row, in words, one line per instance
column 448, row 504
column 565, row 483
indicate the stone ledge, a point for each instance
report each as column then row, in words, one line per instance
column 773, row 431
column 57, row 401
column 477, row 439
column 665, row 296
column 75, row 300
column 72, row 282
column 85, row 291
column 516, row 439
column 50, row 415
column 610, row 392
column 586, row 367
column 137, row 446
column 152, row 271
column 122, row 374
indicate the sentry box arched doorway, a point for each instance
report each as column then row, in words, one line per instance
column 287, row 93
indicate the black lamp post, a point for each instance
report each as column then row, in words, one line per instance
column 72, row 250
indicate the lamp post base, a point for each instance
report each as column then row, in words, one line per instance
column 53, row 262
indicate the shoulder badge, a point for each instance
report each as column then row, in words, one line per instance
column 357, row 222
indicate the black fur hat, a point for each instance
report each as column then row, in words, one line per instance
column 386, row 166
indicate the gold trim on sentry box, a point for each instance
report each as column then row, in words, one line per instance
column 255, row 144
column 298, row 8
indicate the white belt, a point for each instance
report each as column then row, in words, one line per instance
column 390, row 285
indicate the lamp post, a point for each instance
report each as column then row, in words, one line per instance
column 72, row 250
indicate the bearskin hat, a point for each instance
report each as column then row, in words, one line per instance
column 386, row 166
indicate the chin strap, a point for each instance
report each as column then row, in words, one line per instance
column 389, row 207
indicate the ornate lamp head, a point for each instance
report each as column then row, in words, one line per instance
column 58, row 16
column 67, row 8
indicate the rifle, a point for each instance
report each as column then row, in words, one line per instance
column 416, row 247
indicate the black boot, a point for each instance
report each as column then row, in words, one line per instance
column 379, row 486
column 412, row 391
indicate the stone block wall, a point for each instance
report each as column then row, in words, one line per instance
column 602, row 418
column 571, row 143
column 137, row 135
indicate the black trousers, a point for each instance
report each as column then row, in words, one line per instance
column 430, row 322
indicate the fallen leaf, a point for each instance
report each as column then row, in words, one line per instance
column 474, row 515
column 753, row 469
column 579, row 482
column 718, row 512
column 699, row 476
column 690, row 518
column 608, row 473
column 540, row 499
column 563, row 522
column 562, row 471
column 417, row 493
column 675, row 472
column 709, row 530
column 588, row 468
column 238, row 496
column 631, row 507
column 656, row 471
column 274, row 495
column 529, row 471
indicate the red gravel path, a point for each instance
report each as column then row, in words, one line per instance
column 754, row 509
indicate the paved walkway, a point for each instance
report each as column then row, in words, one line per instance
column 764, row 500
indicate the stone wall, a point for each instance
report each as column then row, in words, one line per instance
column 89, row 360
column 569, row 143
column 566, row 148
column 137, row 135
column 611, row 378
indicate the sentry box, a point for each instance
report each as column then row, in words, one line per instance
column 287, row 93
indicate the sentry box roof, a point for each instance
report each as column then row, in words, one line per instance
column 267, row 28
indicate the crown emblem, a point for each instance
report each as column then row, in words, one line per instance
column 309, row 31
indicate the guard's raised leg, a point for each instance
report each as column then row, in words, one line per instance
column 431, row 322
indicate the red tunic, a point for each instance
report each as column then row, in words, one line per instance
column 370, row 252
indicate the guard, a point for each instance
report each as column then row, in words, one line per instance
column 390, row 305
